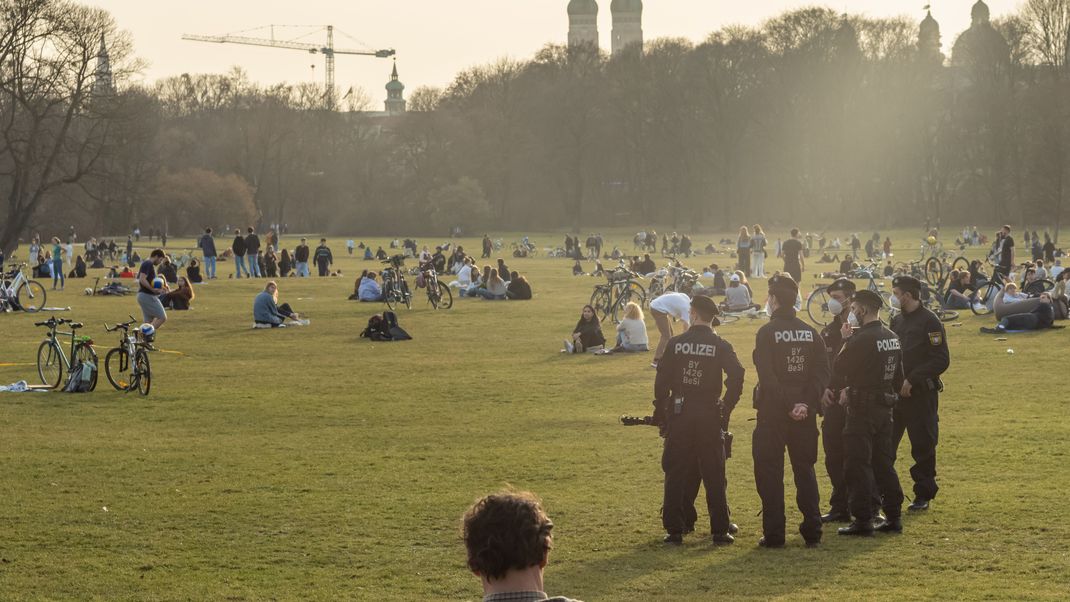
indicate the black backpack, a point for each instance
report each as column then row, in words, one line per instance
column 390, row 324
column 376, row 330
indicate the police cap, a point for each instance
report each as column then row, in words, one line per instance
column 907, row 284
column 705, row 307
column 842, row 284
column 783, row 283
column 868, row 298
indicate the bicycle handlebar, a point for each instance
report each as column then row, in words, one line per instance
column 120, row 326
column 54, row 321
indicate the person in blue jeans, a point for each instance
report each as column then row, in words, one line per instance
column 207, row 246
column 57, row 264
column 238, row 246
column 252, row 253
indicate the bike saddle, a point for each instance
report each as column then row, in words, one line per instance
column 76, row 325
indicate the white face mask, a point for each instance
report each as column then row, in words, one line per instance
column 835, row 307
column 768, row 309
column 852, row 319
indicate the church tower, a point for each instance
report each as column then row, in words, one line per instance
column 627, row 24
column 102, row 80
column 583, row 23
column 395, row 94
column 929, row 41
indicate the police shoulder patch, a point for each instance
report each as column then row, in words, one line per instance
column 936, row 338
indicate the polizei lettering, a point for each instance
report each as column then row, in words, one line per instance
column 794, row 336
column 885, row 345
column 702, row 349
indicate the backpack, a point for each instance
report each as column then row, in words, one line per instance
column 390, row 324
column 80, row 378
column 376, row 330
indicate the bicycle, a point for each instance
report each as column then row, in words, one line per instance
column 524, row 249
column 935, row 299
column 817, row 303
column 611, row 298
column 123, row 374
column 51, row 359
column 26, row 293
column 395, row 288
column 984, row 301
column 438, row 293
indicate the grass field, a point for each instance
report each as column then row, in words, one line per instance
column 307, row 463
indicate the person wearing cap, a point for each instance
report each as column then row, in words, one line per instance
column 833, row 414
column 301, row 259
column 925, row 358
column 793, row 371
column 697, row 366
column 667, row 307
column 737, row 297
column 871, row 368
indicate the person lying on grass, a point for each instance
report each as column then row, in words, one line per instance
column 1041, row 317
column 268, row 313
column 587, row 335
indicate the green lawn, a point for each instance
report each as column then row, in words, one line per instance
column 307, row 463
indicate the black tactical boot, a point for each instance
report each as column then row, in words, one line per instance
column 919, row 505
column 674, row 539
column 860, row 528
column 769, row 542
column 722, row 539
column 890, row 525
column 836, row 516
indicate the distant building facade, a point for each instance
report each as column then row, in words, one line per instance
column 627, row 24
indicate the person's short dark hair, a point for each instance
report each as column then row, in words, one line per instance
column 323, row 240
column 207, row 230
column 842, row 284
column 705, row 307
column 506, row 531
column 784, row 288
column 1007, row 227
column 513, row 275
column 868, row 299
column 908, row 284
column 250, row 229
column 157, row 253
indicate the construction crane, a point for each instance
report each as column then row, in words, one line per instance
column 327, row 50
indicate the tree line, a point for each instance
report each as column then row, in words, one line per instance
column 812, row 118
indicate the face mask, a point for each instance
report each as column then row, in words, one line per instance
column 835, row 307
column 894, row 301
column 852, row 319
column 768, row 309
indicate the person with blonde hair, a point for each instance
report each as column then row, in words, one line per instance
column 743, row 247
column 757, row 252
column 631, row 332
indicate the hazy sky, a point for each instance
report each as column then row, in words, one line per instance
column 435, row 38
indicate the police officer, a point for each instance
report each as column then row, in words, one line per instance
column 871, row 368
column 688, row 391
column 834, row 414
column 793, row 371
column 925, row 358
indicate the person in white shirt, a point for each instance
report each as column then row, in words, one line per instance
column 1011, row 294
column 464, row 275
column 1056, row 270
column 631, row 332
column 674, row 305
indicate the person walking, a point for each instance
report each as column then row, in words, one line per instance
column 301, row 254
column 207, row 246
column 758, row 243
column 792, row 252
column 323, row 258
column 238, row 247
column 57, row 263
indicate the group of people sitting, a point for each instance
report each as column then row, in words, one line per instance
column 587, row 335
column 491, row 283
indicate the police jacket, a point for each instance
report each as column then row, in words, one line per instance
column 871, row 361
column 924, row 343
column 792, row 365
column 693, row 367
column 832, row 336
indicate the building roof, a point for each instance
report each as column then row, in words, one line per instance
column 583, row 7
column 626, row 6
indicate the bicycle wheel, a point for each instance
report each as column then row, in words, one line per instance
column 117, row 369
column 50, row 364
column 85, row 353
column 391, row 298
column 406, row 295
column 934, row 271
column 984, row 302
column 626, row 296
column 727, row 318
column 600, row 302
column 638, row 293
column 1036, row 287
column 946, row 315
column 961, row 264
column 31, row 296
column 142, row 373
column 817, row 307
column 445, row 297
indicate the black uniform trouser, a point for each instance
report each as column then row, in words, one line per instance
column 832, row 441
column 694, row 436
column 770, row 438
column 917, row 415
column 870, row 450
column 691, row 487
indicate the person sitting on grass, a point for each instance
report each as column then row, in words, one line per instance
column 519, row 288
column 958, row 287
column 631, row 332
column 577, row 268
column 356, row 286
column 737, row 297
column 193, row 272
column 496, row 289
column 179, row 298
column 1011, row 294
column 1062, row 285
column 168, row 271
column 507, row 536
column 587, row 335
column 1042, row 316
column 267, row 313
column 464, row 276
column 479, row 282
column 369, row 290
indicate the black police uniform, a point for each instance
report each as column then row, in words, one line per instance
column 792, row 369
column 871, row 367
column 925, row 358
column 688, row 388
column 834, row 418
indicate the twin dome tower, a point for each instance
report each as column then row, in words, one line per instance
column 627, row 23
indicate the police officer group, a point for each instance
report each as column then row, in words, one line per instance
column 871, row 384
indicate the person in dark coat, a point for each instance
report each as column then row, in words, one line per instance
column 587, row 334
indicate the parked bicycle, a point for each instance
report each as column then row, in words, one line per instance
column 610, row 299
column 124, row 374
column 984, row 301
column 52, row 362
column 438, row 293
column 25, row 293
column 395, row 288
column 817, row 306
column 524, row 248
